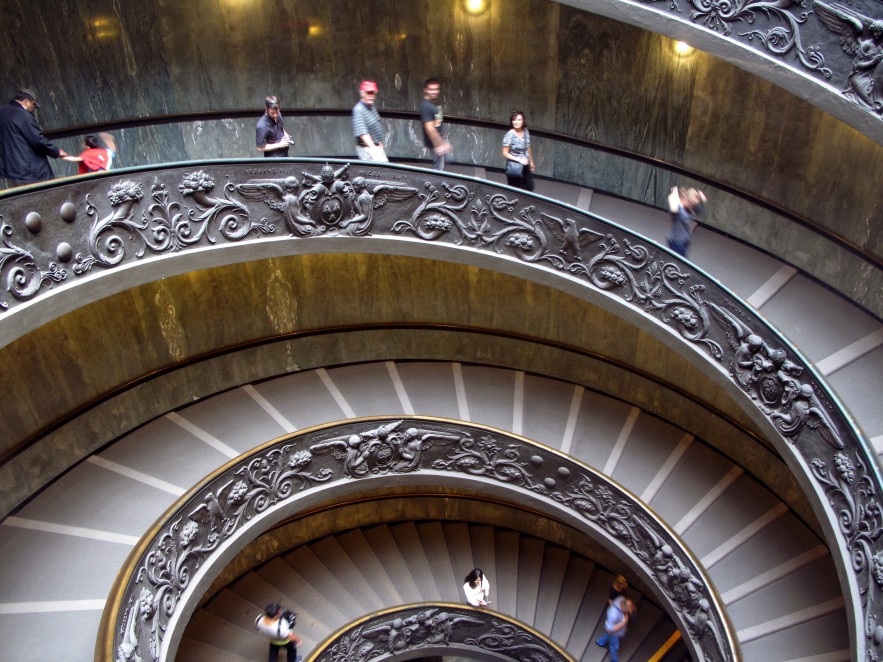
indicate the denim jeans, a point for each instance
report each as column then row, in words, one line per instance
column 611, row 642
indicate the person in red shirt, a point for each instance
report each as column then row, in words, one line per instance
column 95, row 158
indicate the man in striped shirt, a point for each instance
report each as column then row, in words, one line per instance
column 367, row 128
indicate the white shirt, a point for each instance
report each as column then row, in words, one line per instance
column 276, row 630
column 477, row 596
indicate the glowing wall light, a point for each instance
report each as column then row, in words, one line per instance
column 683, row 49
column 476, row 7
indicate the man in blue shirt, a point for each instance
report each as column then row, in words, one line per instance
column 271, row 137
column 614, row 626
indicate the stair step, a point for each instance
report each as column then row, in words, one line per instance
column 436, row 548
column 348, row 574
column 460, row 546
column 356, row 546
column 191, row 650
column 385, row 546
column 579, row 572
column 485, row 557
column 555, row 561
column 530, row 563
column 506, row 571
column 220, row 633
column 411, row 548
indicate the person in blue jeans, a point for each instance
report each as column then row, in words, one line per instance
column 685, row 206
column 614, row 626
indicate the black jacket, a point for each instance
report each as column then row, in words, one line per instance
column 23, row 147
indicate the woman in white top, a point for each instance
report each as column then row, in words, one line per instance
column 477, row 589
column 517, row 152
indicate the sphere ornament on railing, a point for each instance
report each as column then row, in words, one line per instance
column 296, row 201
column 437, row 628
column 273, row 478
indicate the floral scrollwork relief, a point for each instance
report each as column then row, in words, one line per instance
column 438, row 627
column 758, row 362
column 361, row 451
column 191, row 536
column 779, row 37
column 22, row 278
column 163, row 226
column 846, row 482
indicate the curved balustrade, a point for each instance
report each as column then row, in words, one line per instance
column 483, row 139
column 437, row 629
column 142, row 225
column 635, row 176
column 175, row 565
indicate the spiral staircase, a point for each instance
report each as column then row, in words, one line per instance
column 62, row 549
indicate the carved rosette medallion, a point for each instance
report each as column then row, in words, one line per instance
column 433, row 628
column 271, row 478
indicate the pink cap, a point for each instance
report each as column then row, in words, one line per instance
column 368, row 86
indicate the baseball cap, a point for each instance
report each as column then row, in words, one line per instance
column 31, row 94
column 368, row 86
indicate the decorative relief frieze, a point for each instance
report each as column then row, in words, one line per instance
column 21, row 276
column 179, row 215
column 360, row 451
column 841, row 42
column 861, row 38
column 437, row 627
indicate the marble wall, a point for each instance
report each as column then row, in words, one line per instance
column 570, row 71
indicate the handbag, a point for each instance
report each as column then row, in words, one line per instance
column 514, row 169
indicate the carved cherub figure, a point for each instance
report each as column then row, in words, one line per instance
column 684, row 587
column 862, row 38
column 803, row 410
column 398, row 632
column 370, row 195
column 281, row 195
column 413, row 442
column 127, row 651
column 441, row 626
column 573, row 237
column 701, row 624
column 749, row 349
column 356, row 449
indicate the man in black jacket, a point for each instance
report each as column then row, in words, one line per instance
column 23, row 147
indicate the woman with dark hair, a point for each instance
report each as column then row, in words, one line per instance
column 518, row 154
column 95, row 158
column 477, row 589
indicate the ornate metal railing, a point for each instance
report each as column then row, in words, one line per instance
column 173, row 567
column 437, row 629
column 57, row 240
column 664, row 173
